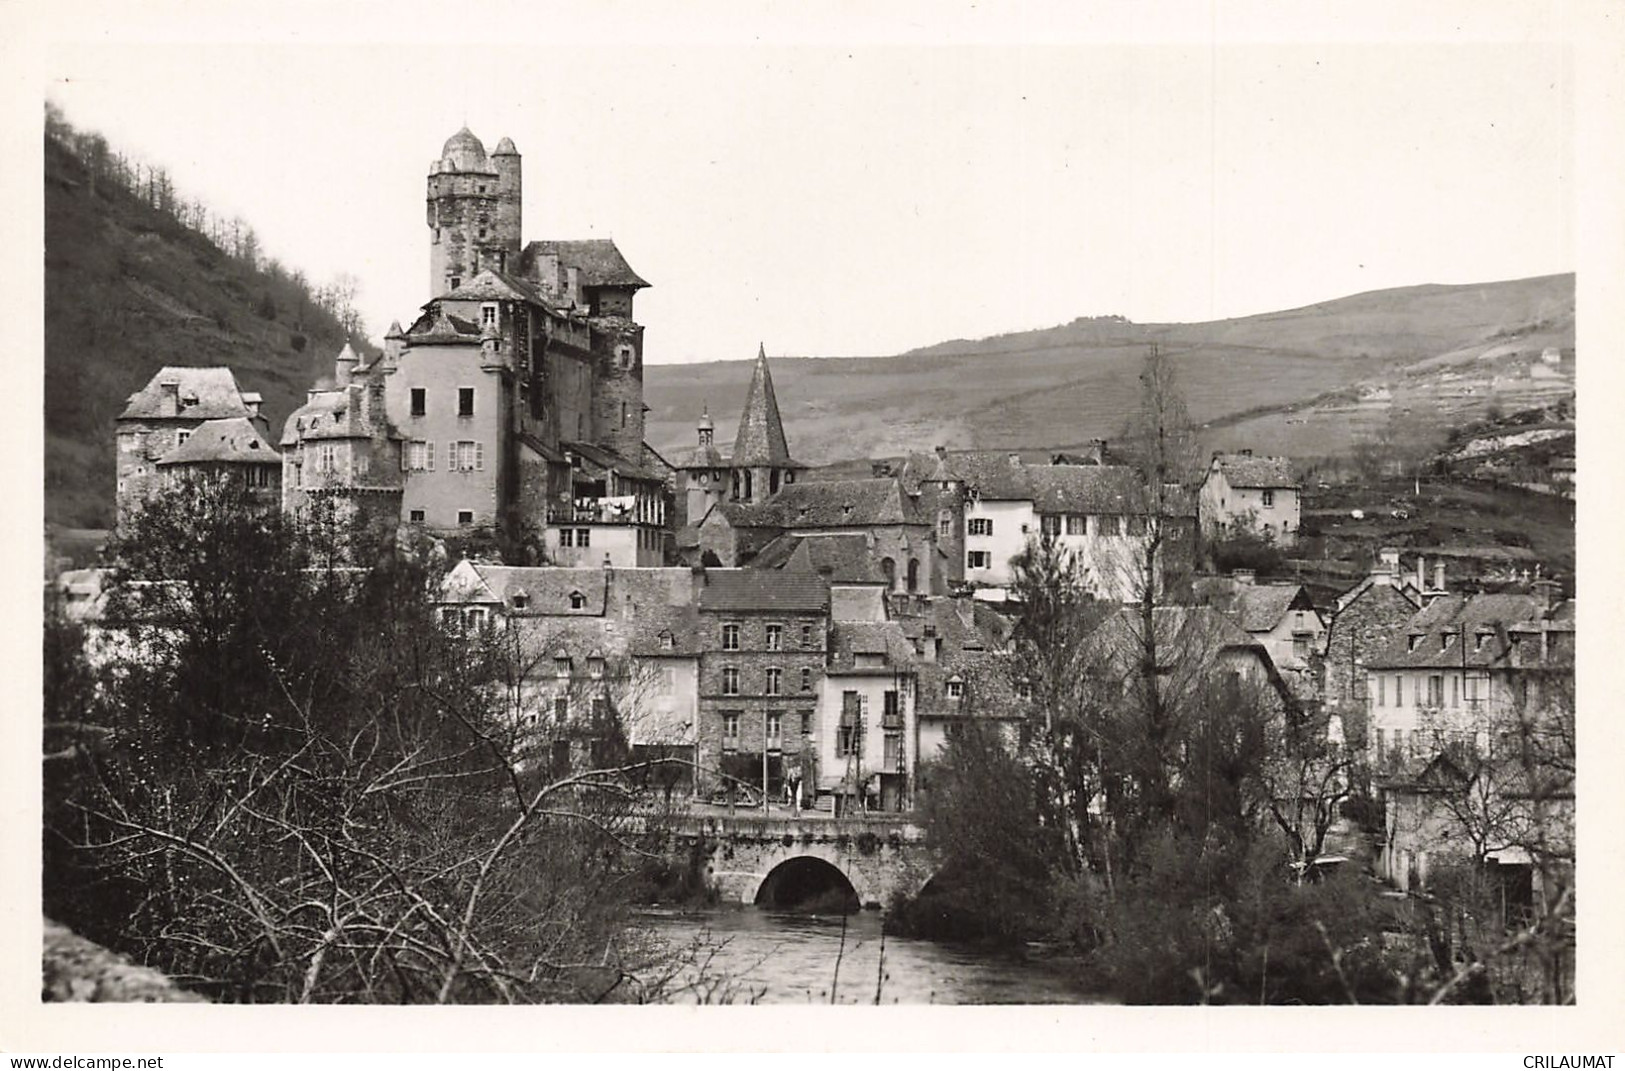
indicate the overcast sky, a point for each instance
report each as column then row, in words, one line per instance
column 833, row 199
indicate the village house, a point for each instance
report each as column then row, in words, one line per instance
column 1363, row 620
column 994, row 504
column 1471, row 712
column 1282, row 617
column 159, row 419
column 765, row 635
column 595, row 652
column 340, row 448
column 1243, row 493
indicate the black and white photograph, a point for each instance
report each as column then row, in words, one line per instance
column 983, row 507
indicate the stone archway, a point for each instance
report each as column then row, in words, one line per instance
column 807, row 880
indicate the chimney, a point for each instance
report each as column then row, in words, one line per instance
column 169, row 402
column 1387, row 562
column 1421, row 573
column 1546, row 592
column 1438, row 576
column 942, row 453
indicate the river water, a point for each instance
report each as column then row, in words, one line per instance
column 773, row 957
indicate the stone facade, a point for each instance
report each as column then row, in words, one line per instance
column 158, row 420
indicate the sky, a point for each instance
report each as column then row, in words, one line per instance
column 865, row 193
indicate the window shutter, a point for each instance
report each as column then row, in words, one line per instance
column 406, row 456
column 428, row 451
column 479, row 456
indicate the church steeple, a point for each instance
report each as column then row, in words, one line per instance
column 760, row 441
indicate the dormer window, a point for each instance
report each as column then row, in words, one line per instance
column 562, row 667
column 668, row 642
column 1415, row 641
column 1481, row 639
column 488, row 313
column 595, row 667
column 955, row 688
column 1446, row 639
column 519, row 600
column 578, row 601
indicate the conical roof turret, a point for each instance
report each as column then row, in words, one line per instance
column 761, row 431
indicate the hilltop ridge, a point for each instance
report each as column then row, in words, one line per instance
column 1063, row 385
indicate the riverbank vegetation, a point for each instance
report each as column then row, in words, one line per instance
column 280, row 778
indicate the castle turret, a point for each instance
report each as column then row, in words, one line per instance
column 473, row 211
column 510, row 213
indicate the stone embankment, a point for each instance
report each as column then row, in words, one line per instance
column 75, row 969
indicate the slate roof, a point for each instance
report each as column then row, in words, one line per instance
column 1255, row 607
column 869, row 638
column 202, row 394
column 603, row 458
column 835, row 504
column 767, row 590
column 1241, row 470
column 760, row 440
column 839, row 559
column 493, row 285
column 597, row 261
column 233, row 440
column 329, row 414
column 548, row 587
column 437, row 325
column 463, row 152
column 973, row 638
column 1001, row 476
column 1509, row 624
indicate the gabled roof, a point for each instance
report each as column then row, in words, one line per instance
column 604, row 459
column 437, row 325
column 835, row 504
column 1260, row 607
column 885, row 638
column 1500, row 631
column 597, row 261
column 760, row 440
column 1244, row 470
column 839, row 559
column 547, row 588
column 756, row 589
column 234, row 440
column 201, row 394
column 1104, row 489
column 492, row 285
column 706, row 456
column 330, row 414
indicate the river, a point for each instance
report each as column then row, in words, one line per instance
column 775, row 957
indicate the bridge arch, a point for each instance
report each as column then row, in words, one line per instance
column 807, row 880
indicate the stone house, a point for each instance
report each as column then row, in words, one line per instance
column 993, row 504
column 1472, row 741
column 1363, row 620
column 1253, row 494
column 161, row 416
column 764, row 638
column 232, row 449
column 590, row 644
column 340, row 448
column 1282, row 617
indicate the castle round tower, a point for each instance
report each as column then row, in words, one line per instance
column 473, row 211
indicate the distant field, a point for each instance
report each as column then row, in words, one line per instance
column 1065, row 385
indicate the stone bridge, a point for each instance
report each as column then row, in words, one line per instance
column 755, row 859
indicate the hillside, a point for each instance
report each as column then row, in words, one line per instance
column 128, row 289
column 1287, row 381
